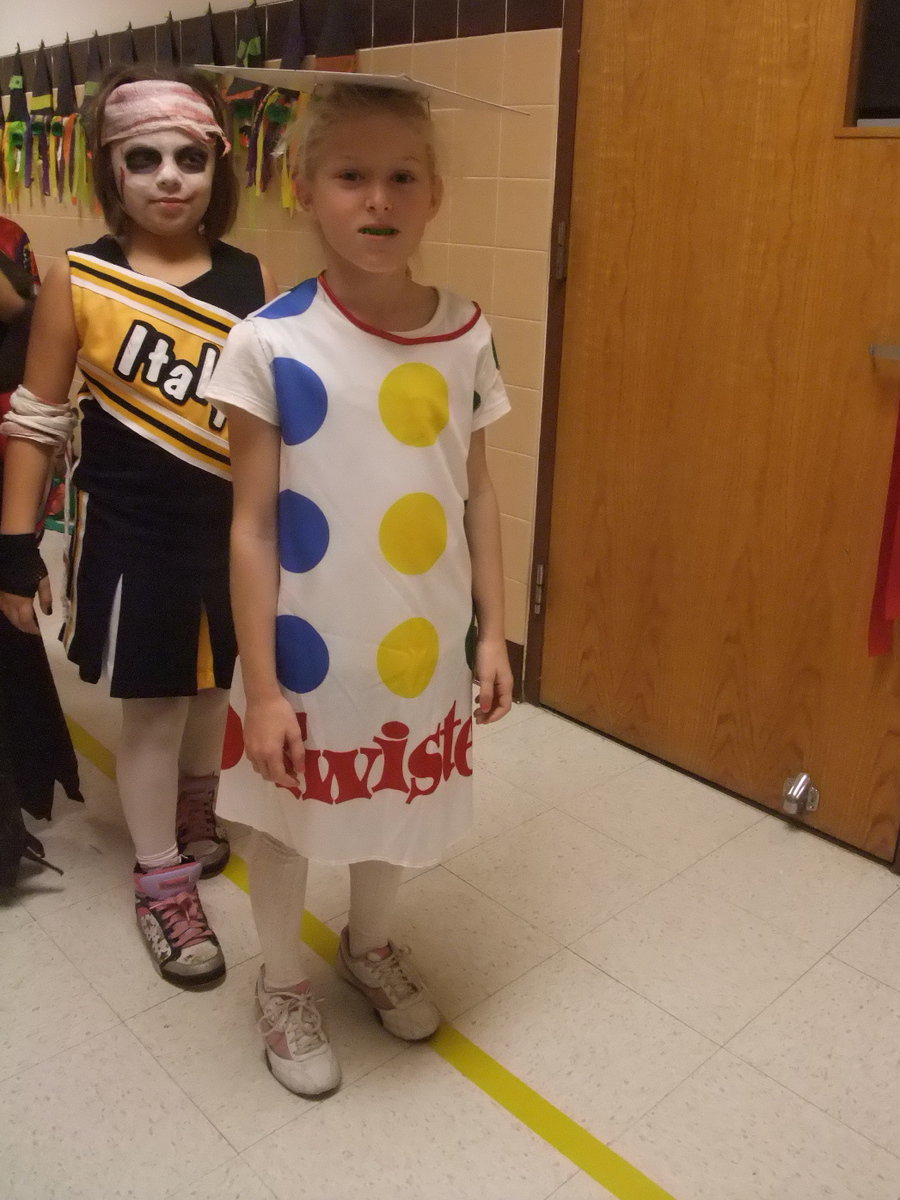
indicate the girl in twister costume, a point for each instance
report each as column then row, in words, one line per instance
column 144, row 312
column 365, row 525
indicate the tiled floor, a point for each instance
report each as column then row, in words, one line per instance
column 713, row 994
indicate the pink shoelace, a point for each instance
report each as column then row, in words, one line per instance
column 182, row 918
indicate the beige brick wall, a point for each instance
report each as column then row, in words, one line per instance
column 490, row 240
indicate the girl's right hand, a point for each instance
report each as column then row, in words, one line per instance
column 19, row 610
column 273, row 741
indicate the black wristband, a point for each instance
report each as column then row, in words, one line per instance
column 21, row 567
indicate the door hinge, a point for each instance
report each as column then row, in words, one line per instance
column 538, row 594
column 561, row 251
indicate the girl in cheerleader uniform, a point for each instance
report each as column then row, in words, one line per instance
column 144, row 313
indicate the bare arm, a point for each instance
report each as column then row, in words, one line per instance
column 11, row 303
column 52, row 350
column 270, row 728
column 482, row 523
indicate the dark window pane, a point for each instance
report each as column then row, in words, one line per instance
column 533, row 14
column 878, row 91
column 393, row 22
column 478, row 17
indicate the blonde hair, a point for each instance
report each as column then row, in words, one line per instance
column 332, row 103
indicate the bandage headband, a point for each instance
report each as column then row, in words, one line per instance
column 152, row 105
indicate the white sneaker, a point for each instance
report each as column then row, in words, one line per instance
column 297, row 1048
column 394, row 988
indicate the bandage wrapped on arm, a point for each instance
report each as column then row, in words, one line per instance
column 34, row 420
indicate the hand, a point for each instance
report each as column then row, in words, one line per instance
column 493, row 675
column 273, row 741
column 19, row 610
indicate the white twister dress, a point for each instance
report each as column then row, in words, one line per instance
column 375, row 598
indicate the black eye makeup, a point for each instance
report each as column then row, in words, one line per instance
column 144, row 160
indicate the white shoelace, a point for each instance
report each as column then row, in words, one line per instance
column 396, row 979
column 297, row 1017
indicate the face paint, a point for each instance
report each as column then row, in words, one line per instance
column 165, row 180
column 191, row 159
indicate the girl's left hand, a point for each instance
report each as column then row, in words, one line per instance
column 493, row 675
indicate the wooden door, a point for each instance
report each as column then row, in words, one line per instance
column 722, row 445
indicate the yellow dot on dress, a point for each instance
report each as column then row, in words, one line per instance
column 407, row 657
column 413, row 533
column 414, row 403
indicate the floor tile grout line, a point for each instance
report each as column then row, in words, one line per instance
column 121, row 1024
column 861, row 970
column 5, row 1079
column 514, row 978
column 314, row 1103
column 193, row 1103
column 77, row 965
column 549, row 1123
column 862, row 920
column 806, row 1100
column 564, row 1184
column 825, row 949
column 511, row 829
column 647, row 999
column 606, row 779
column 500, row 904
column 775, row 999
column 119, row 1019
column 827, row 954
column 717, row 1049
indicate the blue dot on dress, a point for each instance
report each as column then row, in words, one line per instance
column 303, row 532
column 301, row 656
column 302, row 400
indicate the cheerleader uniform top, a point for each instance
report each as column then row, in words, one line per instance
column 149, row 562
column 152, row 447
column 375, row 595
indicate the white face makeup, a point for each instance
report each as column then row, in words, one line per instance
column 164, row 180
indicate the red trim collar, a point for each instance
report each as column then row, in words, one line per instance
column 396, row 337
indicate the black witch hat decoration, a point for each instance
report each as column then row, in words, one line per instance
column 122, row 48
column 294, row 48
column 208, row 49
column 41, row 112
column 42, row 86
column 249, row 54
column 17, row 141
column 243, row 96
column 94, row 71
column 18, row 105
column 66, row 103
column 64, row 124
column 167, row 53
column 337, row 48
column 250, row 41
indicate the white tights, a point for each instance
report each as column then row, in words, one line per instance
column 161, row 738
column 278, row 891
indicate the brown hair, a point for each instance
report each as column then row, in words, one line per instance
column 332, row 103
column 220, row 214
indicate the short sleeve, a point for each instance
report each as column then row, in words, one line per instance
column 491, row 400
column 243, row 375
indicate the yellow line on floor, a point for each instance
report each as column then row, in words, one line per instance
column 551, row 1124
column 88, row 746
